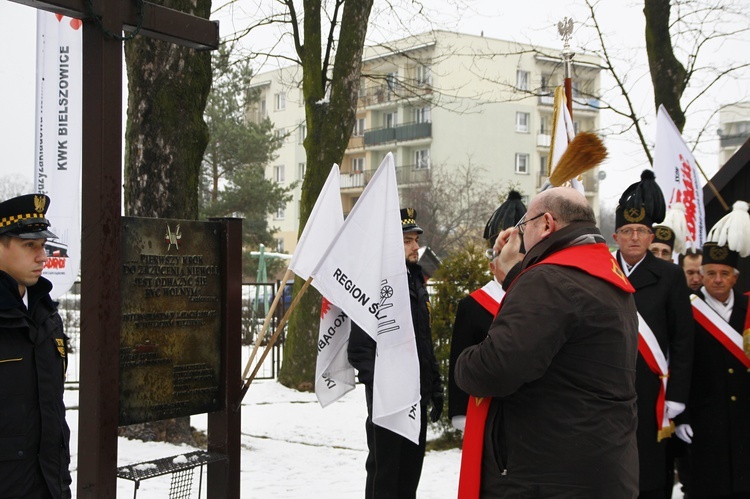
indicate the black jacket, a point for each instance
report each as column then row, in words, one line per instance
column 662, row 299
column 33, row 358
column 361, row 349
column 719, row 412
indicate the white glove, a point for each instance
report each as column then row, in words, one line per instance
column 459, row 422
column 684, row 432
column 674, row 409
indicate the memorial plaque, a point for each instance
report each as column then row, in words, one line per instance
column 171, row 323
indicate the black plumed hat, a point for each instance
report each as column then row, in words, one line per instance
column 641, row 203
column 506, row 215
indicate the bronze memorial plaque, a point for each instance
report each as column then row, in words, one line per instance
column 171, row 322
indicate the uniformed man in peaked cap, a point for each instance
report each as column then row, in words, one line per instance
column 715, row 424
column 665, row 331
column 394, row 463
column 34, row 436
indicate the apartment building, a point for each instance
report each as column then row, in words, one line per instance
column 734, row 129
column 441, row 100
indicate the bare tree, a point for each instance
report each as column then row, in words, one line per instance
column 679, row 37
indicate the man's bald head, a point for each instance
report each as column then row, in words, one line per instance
column 565, row 204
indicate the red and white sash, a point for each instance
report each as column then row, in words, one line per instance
column 719, row 329
column 649, row 348
column 489, row 296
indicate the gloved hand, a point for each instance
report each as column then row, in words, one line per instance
column 437, row 407
column 684, row 432
column 673, row 409
column 459, row 422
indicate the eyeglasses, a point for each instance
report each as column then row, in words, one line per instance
column 521, row 223
column 641, row 232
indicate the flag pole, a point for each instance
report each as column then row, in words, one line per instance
column 273, row 339
column 713, row 187
column 565, row 30
column 287, row 275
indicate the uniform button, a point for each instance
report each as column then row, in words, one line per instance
column 20, row 453
column 733, row 398
column 731, row 370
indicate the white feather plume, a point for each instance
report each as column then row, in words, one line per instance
column 675, row 220
column 733, row 229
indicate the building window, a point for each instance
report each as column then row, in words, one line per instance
column 390, row 120
column 576, row 127
column 522, row 122
column 278, row 173
column 279, row 133
column 358, row 165
column 263, row 109
column 422, row 159
column 422, row 115
column 280, row 99
column 522, row 80
column 547, row 86
column 302, row 133
column 424, row 75
column 301, row 169
column 279, row 214
column 359, row 127
column 543, row 165
column 279, row 244
column 522, row 163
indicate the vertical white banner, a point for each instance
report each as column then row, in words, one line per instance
column 677, row 175
column 57, row 144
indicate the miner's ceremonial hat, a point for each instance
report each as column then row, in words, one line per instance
column 641, row 203
column 506, row 215
column 729, row 239
column 409, row 221
column 24, row 217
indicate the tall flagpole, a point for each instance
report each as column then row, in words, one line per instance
column 565, row 30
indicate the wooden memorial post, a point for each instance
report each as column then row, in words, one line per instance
column 101, row 253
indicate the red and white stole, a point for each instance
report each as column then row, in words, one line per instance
column 651, row 352
column 489, row 296
column 719, row 329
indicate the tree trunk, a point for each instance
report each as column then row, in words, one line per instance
column 165, row 139
column 668, row 75
column 329, row 125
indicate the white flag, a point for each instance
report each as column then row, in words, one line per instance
column 58, row 142
column 326, row 218
column 364, row 273
column 334, row 376
column 563, row 132
column 677, row 175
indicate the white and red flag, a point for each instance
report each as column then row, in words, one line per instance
column 677, row 175
column 58, row 142
column 334, row 376
column 364, row 272
column 563, row 131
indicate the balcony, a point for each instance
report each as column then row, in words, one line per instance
column 399, row 133
column 732, row 140
column 403, row 88
column 405, row 175
column 589, row 103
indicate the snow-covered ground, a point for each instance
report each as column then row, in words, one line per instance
column 291, row 448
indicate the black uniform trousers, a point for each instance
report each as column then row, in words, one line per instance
column 394, row 463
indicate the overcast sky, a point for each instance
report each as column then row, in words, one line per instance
column 520, row 21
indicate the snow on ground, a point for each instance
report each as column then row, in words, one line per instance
column 291, row 448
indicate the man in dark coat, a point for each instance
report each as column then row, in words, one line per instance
column 715, row 424
column 661, row 298
column 475, row 312
column 394, row 463
column 34, row 436
column 559, row 363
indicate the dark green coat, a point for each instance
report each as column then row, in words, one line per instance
column 34, row 436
